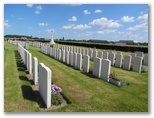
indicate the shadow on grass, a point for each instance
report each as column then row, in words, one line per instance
column 19, row 62
column 31, row 95
column 27, row 91
column 58, row 61
column 89, row 75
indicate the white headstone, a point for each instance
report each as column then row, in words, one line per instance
column 111, row 58
column 145, row 61
column 83, row 51
column 63, row 56
column 30, row 63
column 67, row 57
column 100, row 54
column 75, row 60
column 94, row 54
column 79, row 61
column 105, row 55
column 59, row 54
column 133, row 56
column 35, row 70
column 50, row 52
column 90, row 53
column 105, row 69
column 70, row 58
column 45, row 84
column 137, row 64
column 86, row 59
column 118, row 61
column 127, row 62
column 97, row 67
column 139, row 54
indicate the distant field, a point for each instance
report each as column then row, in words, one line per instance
column 86, row 93
column 126, row 48
column 104, row 43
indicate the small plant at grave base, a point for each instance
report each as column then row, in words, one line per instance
column 113, row 75
column 123, row 83
column 142, row 69
column 55, row 92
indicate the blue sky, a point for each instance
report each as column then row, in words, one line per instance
column 112, row 22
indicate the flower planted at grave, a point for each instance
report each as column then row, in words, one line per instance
column 55, row 95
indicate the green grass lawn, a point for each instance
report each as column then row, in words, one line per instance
column 85, row 92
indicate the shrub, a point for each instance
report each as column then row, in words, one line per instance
column 55, row 92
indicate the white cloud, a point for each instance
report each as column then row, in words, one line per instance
column 43, row 24
column 6, row 24
column 39, row 7
column 19, row 18
column 143, row 26
column 81, row 27
column 29, row 5
column 105, row 23
column 100, row 32
column 76, row 27
column 127, row 19
column 105, row 31
column 37, row 12
column 86, row 12
column 98, row 11
column 143, row 17
column 88, row 33
column 67, row 26
column 73, row 18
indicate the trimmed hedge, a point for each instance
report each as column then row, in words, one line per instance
column 126, row 48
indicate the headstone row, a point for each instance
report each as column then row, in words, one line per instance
column 41, row 74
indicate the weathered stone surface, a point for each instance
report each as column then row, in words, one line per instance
column 127, row 62
column 83, row 51
column 67, row 57
column 111, row 58
column 75, row 60
column 137, row 64
column 79, row 61
column 105, row 55
column 118, row 61
column 145, row 61
column 35, row 70
column 50, row 52
column 139, row 54
column 70, row 58
column 63, row 56
column 97, row 67
column 86, row 59
column 133, row 56
column 94, row 54
column 105, row 69
column 45, row 84
column 29, row 63
column 90, row 53
column 100, row 54
column 59, row 54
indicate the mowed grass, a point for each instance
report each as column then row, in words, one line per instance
column 89, row 94
column 18, row 95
